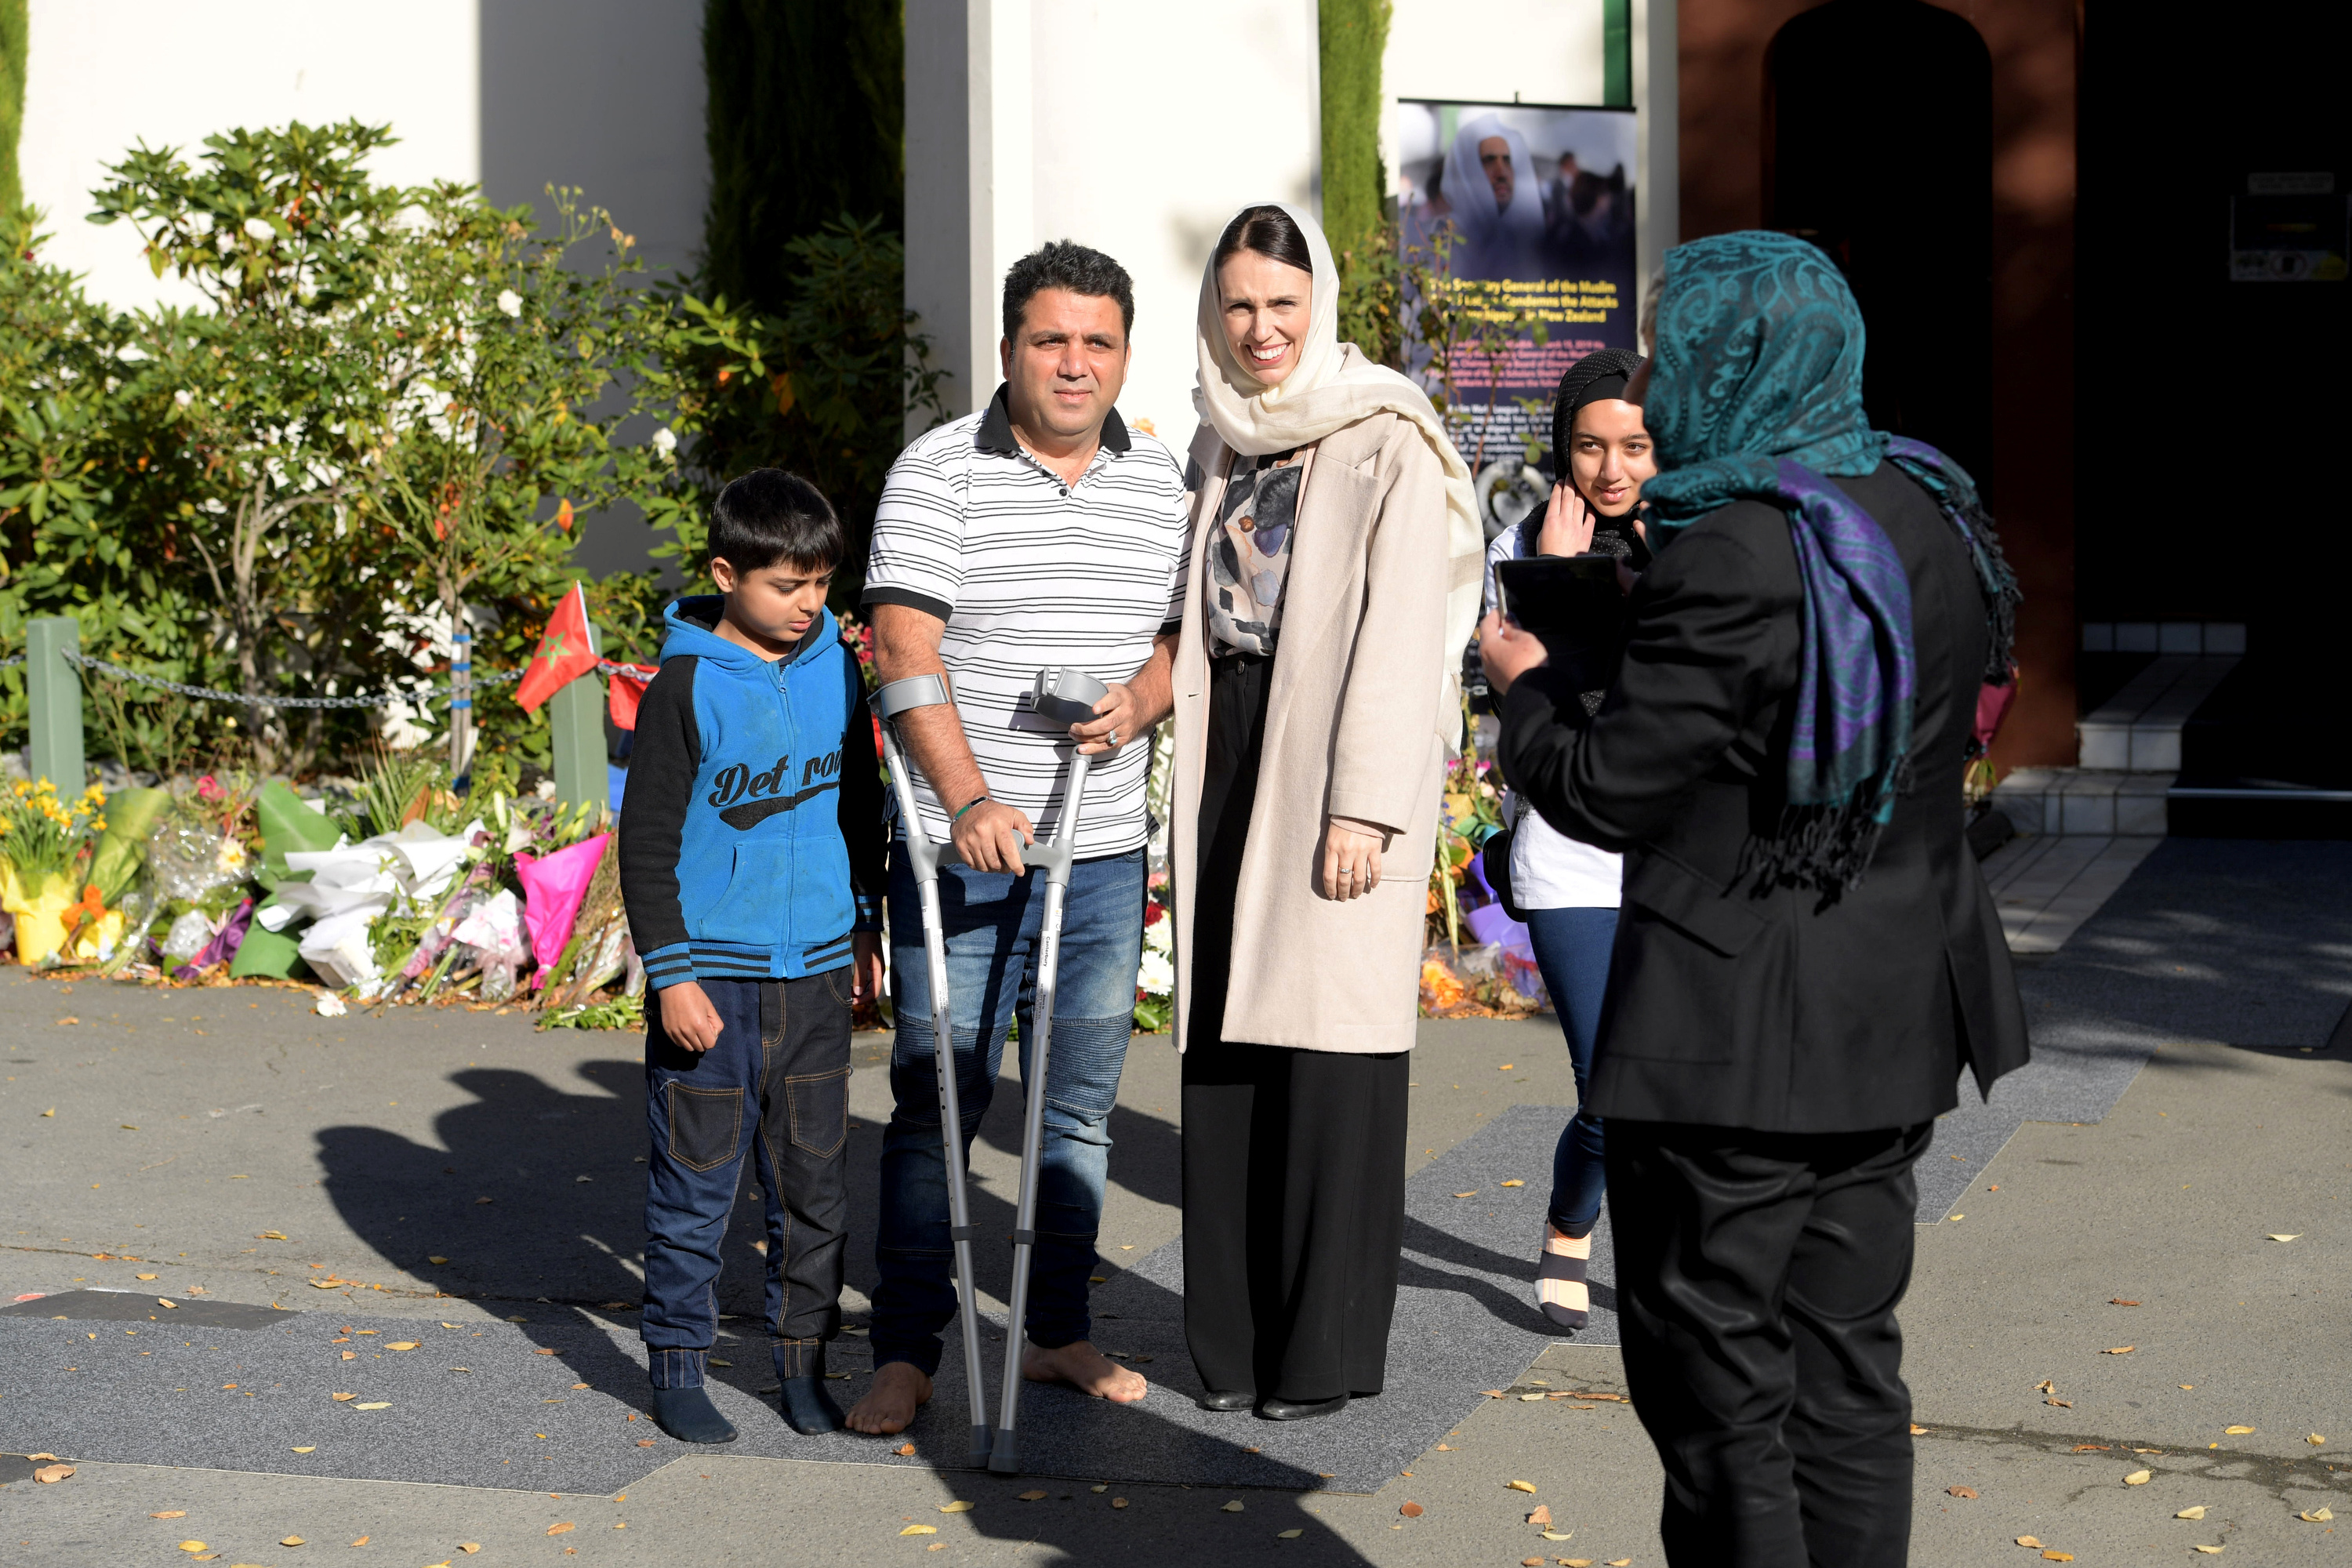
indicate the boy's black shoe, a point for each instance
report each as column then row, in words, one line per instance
column 688, row 1414
column 808, row 1408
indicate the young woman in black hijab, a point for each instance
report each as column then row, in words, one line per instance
column 1566, row 892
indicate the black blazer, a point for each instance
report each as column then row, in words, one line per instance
column 1775, row 1010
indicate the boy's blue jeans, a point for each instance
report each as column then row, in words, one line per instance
column 776, row 1084
column 1572, row 949
column 992, row 923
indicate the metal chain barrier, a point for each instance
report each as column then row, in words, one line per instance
column 212, row 694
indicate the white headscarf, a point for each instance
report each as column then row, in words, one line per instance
column 1500, row 238
column 1334, row 387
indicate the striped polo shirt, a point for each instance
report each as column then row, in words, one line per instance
column 1030, row 574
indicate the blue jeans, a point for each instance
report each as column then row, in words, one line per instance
column 992, row 924
column 776, row 1086
column 1572, row 951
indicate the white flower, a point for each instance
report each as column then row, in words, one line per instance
column 259, row 229
column 510, row 302
column 1156, row 976
column 666, row 440
column 182, row 397
column 1159, row 936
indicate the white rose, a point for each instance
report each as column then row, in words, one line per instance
column 510, row 302
column 666, row 440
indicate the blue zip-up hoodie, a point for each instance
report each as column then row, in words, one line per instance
column 752, row 832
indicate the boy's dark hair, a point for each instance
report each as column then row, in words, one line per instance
column 1059, row 264
column 1269, row 232
column 767, row 516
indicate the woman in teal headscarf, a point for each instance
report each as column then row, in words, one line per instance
column 1795, row 709
column 1756, row 395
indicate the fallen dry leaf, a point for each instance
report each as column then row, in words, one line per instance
column 1471, row 1193
column 2028, row 1541
column 350, row 1355
column 903, row 1449
column 400, row 1345
column 2047, row 1385
column 1621, row 1563
column 1411, row 1509
column 2139, row 1478
column 2197, row 1512
column 375, row 1405
column 1033, row 1496
column 1961, row 1491
column 2236, row 1431
column 960, row 1505
column 2119, row 1301
column 2275, row 1237
column 1119, row 1503
column 2184, row 1387
column 69, row 1020
column 1542, row 1515
column 1526, row 1398
column 1531, row 1563
column 1515, row 1182
column 1917, row 1430
column 921, row 1530
column 2119, row 1350
column 2209, row 1550
column 2058, row 1557
column 714, row 1360
column 193, row 1546
column 1288, row 1534
column 436, row 1260
column 171, row 1513
column 311, row 1449
column 645, row 1442
column 270, row 1235
column 2317, row 1516
column 363, row 1539
column 48, row 1475
column 143, row 1277
column 339, row 1398
column 2091, row 1448
column 2315, row 1439
column 1233, row 1507
column 1494, row 1394
column 564, row 1528
column 2062, row 1403
column 292, row 1541
column 1520, row 1486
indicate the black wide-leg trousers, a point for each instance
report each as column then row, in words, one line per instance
column 1294, row 1160
column 1757, row 1276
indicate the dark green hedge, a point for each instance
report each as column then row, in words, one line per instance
column 12, row 101
column 1354, row 32
column 806, row 123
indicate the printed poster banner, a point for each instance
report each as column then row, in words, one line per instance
column 1517, row 211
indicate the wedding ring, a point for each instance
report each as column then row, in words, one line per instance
column 1113, row 737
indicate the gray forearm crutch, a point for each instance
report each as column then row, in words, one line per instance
column 1067, row 696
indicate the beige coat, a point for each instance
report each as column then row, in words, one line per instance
column 1356, row 726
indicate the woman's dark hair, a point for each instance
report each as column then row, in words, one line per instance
column 1059, row 264
column 767, row 516
column 1269, row 232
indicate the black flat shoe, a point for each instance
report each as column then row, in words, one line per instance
column 1226, row 1399
column 1295, row 1410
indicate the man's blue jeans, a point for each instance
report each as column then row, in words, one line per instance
column 992, row 925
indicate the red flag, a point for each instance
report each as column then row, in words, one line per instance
column 566, row 651
column 628, row 690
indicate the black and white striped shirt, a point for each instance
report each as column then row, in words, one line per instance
column 1030, row 574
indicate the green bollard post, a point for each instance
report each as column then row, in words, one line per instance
column 53, row 694
column 576, row 715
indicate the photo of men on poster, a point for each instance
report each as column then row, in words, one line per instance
column 1522, row 213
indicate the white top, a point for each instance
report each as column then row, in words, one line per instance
column 1030, row 574
column 1549, row 870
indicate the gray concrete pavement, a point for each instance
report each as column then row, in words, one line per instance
column 189, row 1125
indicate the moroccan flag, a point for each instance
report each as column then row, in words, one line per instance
column 566, row 651
column 628, row 690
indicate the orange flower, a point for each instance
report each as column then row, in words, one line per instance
column 563, row 515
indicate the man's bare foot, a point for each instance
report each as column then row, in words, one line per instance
column 1085, row 1369
column 899, row 1390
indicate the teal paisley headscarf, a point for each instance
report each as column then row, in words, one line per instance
column 1756, row 395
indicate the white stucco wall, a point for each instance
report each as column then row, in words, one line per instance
column 511, row 94
column 1136, row 130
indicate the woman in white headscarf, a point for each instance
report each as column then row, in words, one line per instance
column 1490, row 178
column 1333, row 579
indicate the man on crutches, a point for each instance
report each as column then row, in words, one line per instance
column 1040, row 533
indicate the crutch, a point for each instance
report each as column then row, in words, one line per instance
column 1067, row 696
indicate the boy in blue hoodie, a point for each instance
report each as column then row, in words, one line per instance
column 752, row 862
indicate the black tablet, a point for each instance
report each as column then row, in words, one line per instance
column 1574, row 597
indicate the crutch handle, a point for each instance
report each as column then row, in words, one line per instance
column 914, row 692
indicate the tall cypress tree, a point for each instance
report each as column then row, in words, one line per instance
column 12, row 102
column 806, row 122
column 1353, row 35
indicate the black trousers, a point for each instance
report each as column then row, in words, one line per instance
column 1757, row 1276
column 1294, row 1160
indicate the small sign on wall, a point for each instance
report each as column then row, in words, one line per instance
column 2290, row 226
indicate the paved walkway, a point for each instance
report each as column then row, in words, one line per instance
column 190, row 1126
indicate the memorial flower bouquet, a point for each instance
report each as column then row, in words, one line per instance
column 46, row 841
